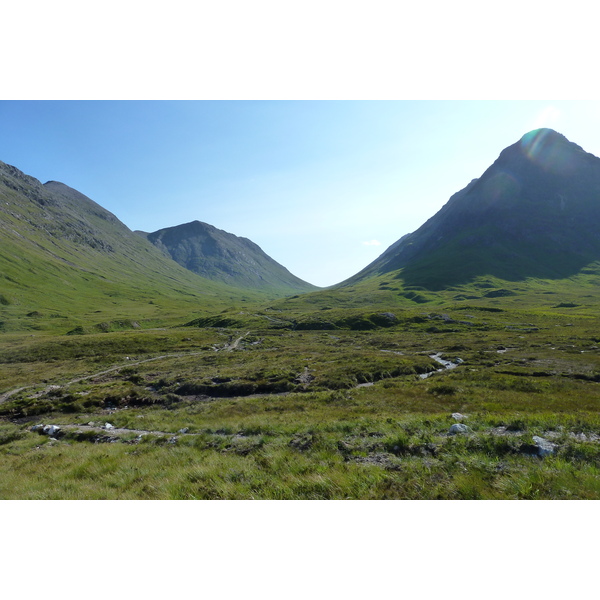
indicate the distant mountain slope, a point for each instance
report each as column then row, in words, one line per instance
column 64, row 256
column 534, row 213
column 221, row 256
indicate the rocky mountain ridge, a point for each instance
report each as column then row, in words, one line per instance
column 63, row 256
column 222, row 256
column 535, row 212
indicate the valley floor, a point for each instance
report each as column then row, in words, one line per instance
column 266, row 413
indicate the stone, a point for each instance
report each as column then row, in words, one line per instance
column 543, row 446
column 184, row 430
column 459, row 428
column 51, row 430
column 458, row 417
column 108, row 426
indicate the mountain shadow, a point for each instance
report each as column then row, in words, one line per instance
column 534, row 213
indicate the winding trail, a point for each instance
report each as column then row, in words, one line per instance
column 227, row 348
column 234, row 345
column 4, row 397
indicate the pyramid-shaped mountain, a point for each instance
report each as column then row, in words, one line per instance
column 534, row 213
column 221, row 256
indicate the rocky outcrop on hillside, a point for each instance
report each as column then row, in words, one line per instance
column 222, row 256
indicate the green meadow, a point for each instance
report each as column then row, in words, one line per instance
column 330, row 395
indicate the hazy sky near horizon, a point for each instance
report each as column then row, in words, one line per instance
column 324, row 187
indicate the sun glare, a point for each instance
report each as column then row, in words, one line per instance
column 546, row 118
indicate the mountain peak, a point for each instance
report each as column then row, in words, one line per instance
column 222, row 256
column 545, row 132
column 547, row 149
column 534, row 212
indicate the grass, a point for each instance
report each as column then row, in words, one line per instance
column 212, row 391
column 271, row 411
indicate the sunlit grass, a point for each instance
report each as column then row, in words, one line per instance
column 283, row 415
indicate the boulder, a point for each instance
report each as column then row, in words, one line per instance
column 458, row 417
column 108, row 426
column 51, row 430
column 459, row 428
column 543, row 446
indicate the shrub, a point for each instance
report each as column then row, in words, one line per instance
column 443, row 390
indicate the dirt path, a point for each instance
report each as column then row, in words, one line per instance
column 119, row 431
column 4, row 397
column 229, row 347
column 233, row 345
column 7, row 395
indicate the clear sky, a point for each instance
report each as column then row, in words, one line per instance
column 322, row 186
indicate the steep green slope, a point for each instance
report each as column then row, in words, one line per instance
column 534, row 213
column 525, row 234
column 65, row 260
column 221, row 256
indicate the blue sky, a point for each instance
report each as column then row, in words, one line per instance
column 322, row 186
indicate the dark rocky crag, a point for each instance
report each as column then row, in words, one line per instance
column 221, row 256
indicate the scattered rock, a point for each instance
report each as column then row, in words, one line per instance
column 541, row 447
column 108, row 426
column 458, row 417
column 51, row 430
column 459, row 428
column 184, row 430
column 544, row 447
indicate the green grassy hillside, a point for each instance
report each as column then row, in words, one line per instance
column 67, row 262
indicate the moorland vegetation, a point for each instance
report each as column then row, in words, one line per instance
column 125, row 376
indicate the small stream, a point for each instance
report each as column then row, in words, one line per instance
column 446, row 364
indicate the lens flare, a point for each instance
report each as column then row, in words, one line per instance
column 547, row 118
column 501, row 188
column 549, row 150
